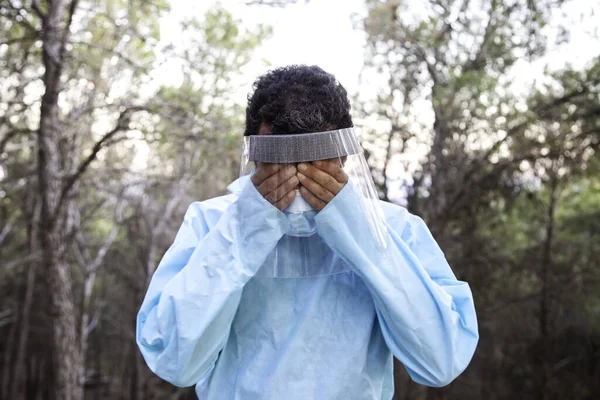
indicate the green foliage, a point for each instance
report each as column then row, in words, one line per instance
column 171, row 144
column 509, row 185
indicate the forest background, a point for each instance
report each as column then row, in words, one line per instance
column 481, row 116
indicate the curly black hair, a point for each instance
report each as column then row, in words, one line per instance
column 297, row 99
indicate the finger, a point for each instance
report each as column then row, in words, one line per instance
column 322, row 178
column 333, row 167
column 282, row 189
column 264, row 171
column 315, row 202
column 286, row 200
column 275, row 180
column 315, row 188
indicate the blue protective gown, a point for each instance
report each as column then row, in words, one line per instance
column 209, row 320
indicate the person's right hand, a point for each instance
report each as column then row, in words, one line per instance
column 276, row 183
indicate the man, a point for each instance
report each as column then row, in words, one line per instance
column 297, row 285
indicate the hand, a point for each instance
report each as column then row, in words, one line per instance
column 276, row 183
column 321, row 181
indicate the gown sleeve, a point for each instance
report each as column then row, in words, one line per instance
column 426, row 315
column 186, row 315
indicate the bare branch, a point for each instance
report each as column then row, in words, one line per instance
column 90, row 328
column 72, row 8
column 7, row 228
column 121, row 55
column 488, row 35
column 93, row 267
column 35, row 5
column 10, row 265
column 4, row 141
column 177, row 192
column 80, row 251
column 122, row 124
column 19, row 39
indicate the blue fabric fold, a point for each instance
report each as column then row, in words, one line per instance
column 209, row 320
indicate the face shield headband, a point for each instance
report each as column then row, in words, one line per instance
column 301, row 252
column 304, row 147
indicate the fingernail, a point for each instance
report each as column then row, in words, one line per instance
column 302, row 167
column 317, row 163
column 301, row 176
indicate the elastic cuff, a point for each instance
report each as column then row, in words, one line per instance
column 260, row 224
column 345, row 204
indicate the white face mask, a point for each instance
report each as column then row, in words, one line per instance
column 301, row 217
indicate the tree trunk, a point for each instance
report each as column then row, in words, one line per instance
column 19, row 367
column 67, row 360
column 438, row 166
column 7, row 370
column 20, row 376
column 134, row 388
column 546, row 263
column 67, row 384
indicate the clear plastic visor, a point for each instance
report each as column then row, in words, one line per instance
column 335, row 159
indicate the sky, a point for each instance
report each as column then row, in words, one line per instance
column 318, row 32
column 322, row 32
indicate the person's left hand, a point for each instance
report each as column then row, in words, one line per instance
column 321, row 181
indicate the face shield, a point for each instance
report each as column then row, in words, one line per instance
column 301, row 252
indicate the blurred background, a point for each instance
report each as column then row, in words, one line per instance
column 481, row 116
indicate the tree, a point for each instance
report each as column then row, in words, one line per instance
column 446, row 68
column 87, row 185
